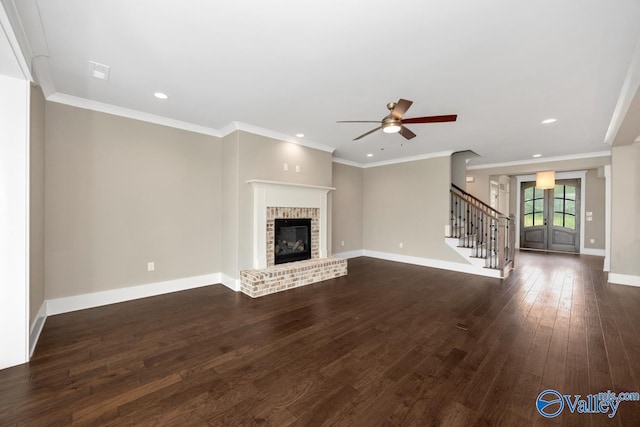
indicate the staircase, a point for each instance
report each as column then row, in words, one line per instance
column 485, row 236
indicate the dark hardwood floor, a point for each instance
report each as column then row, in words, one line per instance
column 381, row 346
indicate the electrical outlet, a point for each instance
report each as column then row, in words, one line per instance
column 297, row 168
column 342, row 243
column 592, row 240
column 286, row 166
column 401, row 245
column 151, row 266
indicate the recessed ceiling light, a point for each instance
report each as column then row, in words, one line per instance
column 549, row 121
column 369, row 155
column 537, row 155
column 300, row 135
column 160, row 95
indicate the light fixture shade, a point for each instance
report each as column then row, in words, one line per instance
column 545, row 180
column 392, row 128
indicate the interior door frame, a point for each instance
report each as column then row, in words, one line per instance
column 581, row 175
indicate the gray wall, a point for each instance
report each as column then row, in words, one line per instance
column 408, row 203
column 230, row 182
column 625, row 210
column 459, row 169
column 347, row 208
column 594, row 201
column 36, row 202
column 263, row 158
column 122, row 192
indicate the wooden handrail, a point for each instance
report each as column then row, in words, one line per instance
column 484, row 211
column 497, row 212
column 487, row 231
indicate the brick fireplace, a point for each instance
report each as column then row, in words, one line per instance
column 274, row 200
column 274, row 213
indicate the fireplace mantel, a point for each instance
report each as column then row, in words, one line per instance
column 288, row 184
column 284, row 194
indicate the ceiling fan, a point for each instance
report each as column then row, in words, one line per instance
column 395, row 123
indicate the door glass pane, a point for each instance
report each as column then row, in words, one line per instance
column 557, row 219
column 528, row 207
column 558, row 205
column 539, row 193
column 570, row 192
column 538, row 218
column 539, row 205
column 570, row 207
column 528, row 220
column 570, row 221
column 528, row 193
column 558, row 191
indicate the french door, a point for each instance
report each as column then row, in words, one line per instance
column 550, row 219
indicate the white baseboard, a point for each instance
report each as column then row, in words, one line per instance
column 97, row 299
column 230, row 282
column 37, row 326
column 595, row 252
column 434, row 263
column 349, row 254
column 624, row 279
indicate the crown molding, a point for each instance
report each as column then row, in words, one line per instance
column 394, row 161
column 12, row 38
column 88, row 104
column 101, row 107
column 347, row 162
column 256, row 130
column 542, row 160
column 627, row 93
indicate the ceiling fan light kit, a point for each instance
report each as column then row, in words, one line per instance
column 393, row 122
column 391, row 125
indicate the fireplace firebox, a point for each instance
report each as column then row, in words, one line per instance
column 292, row 240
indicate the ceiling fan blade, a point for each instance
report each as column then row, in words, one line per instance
column 432, row 119
column 358, row 121
column 365, row 134
column 407, row 133
column 401, row 107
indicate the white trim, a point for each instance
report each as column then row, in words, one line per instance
column 434, row 263
column 594, row 252
column 408, row 159
column 627, row 93
column 102, row 107
column 230, row 282
column 349, row 254
column 581, row 175
column 36, row 327
column 14, row 220
column 624, row 279
column 393, row 161
column 97, row 299
column 347, row 162
column 233, row 126
column 289, row 184
column 87, row 104
column 274, row 193
column 607, row 218
column 542, row 160
column 5, row 24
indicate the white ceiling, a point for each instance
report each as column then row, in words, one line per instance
column 298, row 66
